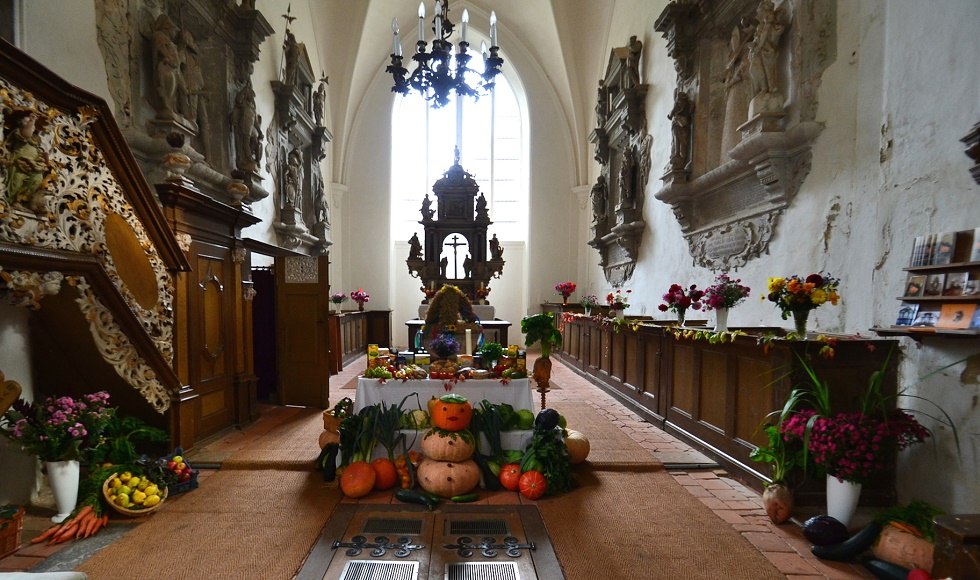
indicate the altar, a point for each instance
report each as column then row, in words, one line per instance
column 493, row 331
column 516, row 393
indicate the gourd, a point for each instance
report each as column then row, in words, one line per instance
column 578, row 446
column 448, row 478
column 442, row 445
column 452, row 413
column 357, row 480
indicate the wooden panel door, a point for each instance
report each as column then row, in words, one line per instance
column 301, row 319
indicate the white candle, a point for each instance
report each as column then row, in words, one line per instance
column 438, row 19
column 396, row 47
column 466, row 20
column 493, row 28
column 421, row 22
column 469, row 341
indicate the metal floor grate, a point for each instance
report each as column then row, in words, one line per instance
column 482, row 571
column 486, row 527
column 401, row 526
column 375, row 570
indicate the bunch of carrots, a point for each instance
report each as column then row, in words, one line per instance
column 85, row 523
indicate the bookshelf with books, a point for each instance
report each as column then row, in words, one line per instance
column 942, row 287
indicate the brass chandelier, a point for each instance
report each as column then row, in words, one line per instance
column 445, row 69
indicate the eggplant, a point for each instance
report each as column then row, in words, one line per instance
column 824, row 531
column 850, row 548
column 885, row 570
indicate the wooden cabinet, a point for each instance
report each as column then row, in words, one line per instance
column 716, row 396
column 351, row 332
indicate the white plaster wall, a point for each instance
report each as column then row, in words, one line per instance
column 15, row 355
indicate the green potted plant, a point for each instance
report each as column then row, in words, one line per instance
column 541, row 328
column 490, row 353
column 783, row 458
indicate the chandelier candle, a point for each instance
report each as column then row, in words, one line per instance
column 443, row 71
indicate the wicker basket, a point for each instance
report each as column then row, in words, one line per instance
column 127, row 511
column 10, row 529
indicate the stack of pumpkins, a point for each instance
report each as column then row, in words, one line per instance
column 447, row 468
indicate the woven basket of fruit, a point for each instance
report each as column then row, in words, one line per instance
column 133, row 495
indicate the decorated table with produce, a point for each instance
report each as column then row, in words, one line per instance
column 516, row 392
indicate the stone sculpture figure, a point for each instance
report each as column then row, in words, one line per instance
column 193, row 99
column 626, row 178
column 600, row 196
column 321, row 210
column 414, row 248
column 467, row 266
column 294, row 181
column 496, row 251
column 319, row 100
column 481, row 208
column 291, row 50
column 763, row 50
column 633, row 62
column 680, row 129
column 166, row 65
column 427, row 211
column 443, row 264
column 736, row 89
column 244, row 122
column 602, row 104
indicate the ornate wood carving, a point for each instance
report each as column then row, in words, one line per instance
column 459, row 222
column 622, row 148
column 743, row 121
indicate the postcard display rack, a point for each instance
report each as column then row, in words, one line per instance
column 942, row 289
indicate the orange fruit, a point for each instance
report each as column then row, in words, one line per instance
column 357, row 480
column 386, row 475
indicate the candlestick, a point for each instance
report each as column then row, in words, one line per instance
column 421, row 22
column 469, row 341
column 493, row 28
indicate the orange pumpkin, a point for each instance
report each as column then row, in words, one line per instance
column 357, row 480
column 386, row 476
column 452, row 413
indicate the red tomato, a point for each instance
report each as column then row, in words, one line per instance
column 533, row 485
column 510, row 476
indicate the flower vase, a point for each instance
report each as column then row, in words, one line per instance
column 63, row 477
column 564, row 300
column 681, row 313
column 588, row 311
column 360, row 307
column 620, row 314
column 799, row 321
column 842, row 499
column 721, row 320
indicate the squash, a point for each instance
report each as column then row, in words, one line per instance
column 357, row 480
column 448, row 478
column 452, row 413
column 327, row 437
column 578, row 446
column 443, row 445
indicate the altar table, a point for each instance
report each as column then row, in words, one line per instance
column 517, row 392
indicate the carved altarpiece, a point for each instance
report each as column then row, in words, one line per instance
column 622, row 148
column 743, row 122
column 455, row 249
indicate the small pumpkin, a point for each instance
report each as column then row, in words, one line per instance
column 453, row 413
column 357, row 480
column 448, row 478
column 578, row 446
column 386, row 475
column 327, row 437
column 443, row 445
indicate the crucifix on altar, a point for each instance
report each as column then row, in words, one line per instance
column 456, row 247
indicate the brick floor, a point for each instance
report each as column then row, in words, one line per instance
column 733, row 503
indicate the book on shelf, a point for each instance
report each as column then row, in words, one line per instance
column 955, row 283
column 929, row 252
column 975, row 320
column 975, row 246
column 917, row 247
column 934, row 285
column 915, row 284
column 906, row 314
column 972, row 287
column 926, row 318
column 956, row 316
column 945, row 246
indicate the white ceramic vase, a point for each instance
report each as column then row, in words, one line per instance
column 63, row 478
column 842, row 499
column 620, row 314
column 721, row 320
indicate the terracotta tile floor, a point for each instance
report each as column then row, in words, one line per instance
column 734, row 504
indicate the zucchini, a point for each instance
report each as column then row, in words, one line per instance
column 850, row 548
column 467, row 498
column 419, row 497
column 885, row 570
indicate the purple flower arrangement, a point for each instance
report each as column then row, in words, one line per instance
column 60, row 428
